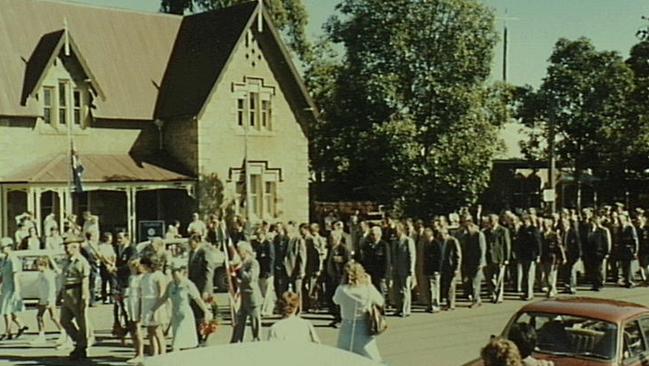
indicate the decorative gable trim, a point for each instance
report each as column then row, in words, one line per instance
column 46, row 51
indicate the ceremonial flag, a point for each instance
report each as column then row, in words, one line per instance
column 77, row 171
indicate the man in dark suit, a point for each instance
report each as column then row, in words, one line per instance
column 280, row 245
column 497, row 257
column 629, row 246
column 571, row 237
column 529, row 251
column 446, row 258
column 473, row 248
column 375, row 256
column 296, row 257
column 200, row 270
column 125, row 252
column 596, row 251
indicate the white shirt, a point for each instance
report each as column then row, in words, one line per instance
column 293, row 329
column 54, row 242
column 107, row 250
column 198, row 227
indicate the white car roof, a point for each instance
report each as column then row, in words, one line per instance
column 263, row 353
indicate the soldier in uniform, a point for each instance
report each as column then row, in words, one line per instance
column 76, row 296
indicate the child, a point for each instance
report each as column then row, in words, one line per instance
column 152, row 287
column 181, row 292
column 132, row 301
column 46, row 301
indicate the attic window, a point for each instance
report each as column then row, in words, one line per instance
column 65, row 104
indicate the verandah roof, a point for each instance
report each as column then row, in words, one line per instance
column 102, row 169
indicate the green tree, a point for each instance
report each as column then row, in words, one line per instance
column 210, row 196
column 289, row 16
column 584, row 98
column 407, row 117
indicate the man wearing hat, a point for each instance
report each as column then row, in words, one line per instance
column 76, row 295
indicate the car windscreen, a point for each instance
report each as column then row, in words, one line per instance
column 572, row 335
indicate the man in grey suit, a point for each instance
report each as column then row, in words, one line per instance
column 200, row 270
column 296, row 257
column 251, row 299
column 405, row 255
column 497, row 257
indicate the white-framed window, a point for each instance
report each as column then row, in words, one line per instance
column 48, row 99
column 263, row 191
column 254, row 102
column 63, row 102
column 241, row 111
column 77, row 107
column 253, row 109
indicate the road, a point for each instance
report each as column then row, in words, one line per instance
column 442, row 339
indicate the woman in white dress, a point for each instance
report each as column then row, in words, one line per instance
column 11, row 303
column 181, row 292
column 292, row 327
column 132, row 301
column 152, row 287
column 355, row 296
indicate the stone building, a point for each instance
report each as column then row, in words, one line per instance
column 150, row 102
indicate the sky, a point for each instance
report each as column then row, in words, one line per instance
column 534, row 26
column 537, row 25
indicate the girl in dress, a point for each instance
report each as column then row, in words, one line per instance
column 152, row 288
column 292, row 327
column 132, row 303
column 46, row 301
column 11, row 303
column 181, row 292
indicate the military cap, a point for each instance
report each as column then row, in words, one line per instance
column 73, row 238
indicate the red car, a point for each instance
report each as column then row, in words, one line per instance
column 581, row 331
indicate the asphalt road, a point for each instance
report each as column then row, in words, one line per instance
column 442, row 339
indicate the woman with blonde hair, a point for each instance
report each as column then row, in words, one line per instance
column 355, row 296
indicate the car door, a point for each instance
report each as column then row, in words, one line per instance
column 634, row 342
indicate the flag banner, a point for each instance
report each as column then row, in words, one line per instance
column 77, row 171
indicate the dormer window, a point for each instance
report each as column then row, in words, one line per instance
column 48, row 98
column 65, row 103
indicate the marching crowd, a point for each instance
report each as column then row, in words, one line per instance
column 344, row 268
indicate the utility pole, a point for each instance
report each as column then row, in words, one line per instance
column 551, row 182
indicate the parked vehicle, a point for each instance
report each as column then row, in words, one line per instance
column 581, row 331
column 28, row 277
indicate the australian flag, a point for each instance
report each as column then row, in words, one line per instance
column 77, row 171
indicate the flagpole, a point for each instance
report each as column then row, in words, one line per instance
column 69, row 126
column 260, row 16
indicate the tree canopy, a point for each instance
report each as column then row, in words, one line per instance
column 407, row 115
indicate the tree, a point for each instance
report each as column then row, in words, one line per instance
column 289, row 16
column 583, row 97
column 210, row 196
column 407, row 117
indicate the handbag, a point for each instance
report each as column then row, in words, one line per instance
column 376, row 319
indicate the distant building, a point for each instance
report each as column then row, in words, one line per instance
column 151, row 101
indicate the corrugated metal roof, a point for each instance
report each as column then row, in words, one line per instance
column 127, row 51
column 103, row 168
column 203, row 46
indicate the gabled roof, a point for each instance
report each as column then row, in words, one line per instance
column 43, row 57
column 203, row 48
column 148, row 65
column 102, row 169
column 127, row 52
